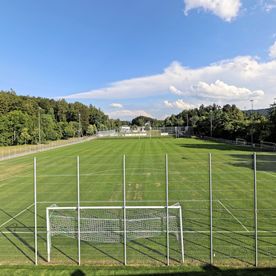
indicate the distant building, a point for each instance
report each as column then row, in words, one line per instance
column 125, row 129
column 137, row 129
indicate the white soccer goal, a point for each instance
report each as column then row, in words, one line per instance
column 268, row 145
column 106, row 224
column 240, row 141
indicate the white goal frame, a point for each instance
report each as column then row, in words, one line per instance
column 241, row 141
column 268, row 145
column 124, row 231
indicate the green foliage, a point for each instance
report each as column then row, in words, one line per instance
column 92, row 129
column 70, row 130
column 272, row 123
column 19, row 119
column 24, row 137
column 228, row 122
column 142, row 120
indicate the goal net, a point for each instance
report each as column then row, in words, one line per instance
column 106, row 224
column 240, row 141
column 268, row 145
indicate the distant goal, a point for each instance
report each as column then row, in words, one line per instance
column 268, row 145
column 240, row 141
column 114, row 224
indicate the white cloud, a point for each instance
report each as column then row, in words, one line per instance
column 116, row 105
column 175, row 91
column 221, row 90
column 127, row 114
column 268, row 5
column 243, row 75
column 225, row 9
column 179, row 104
column 272, row 51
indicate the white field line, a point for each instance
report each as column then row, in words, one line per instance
column 187, row 232
column 4, row 179
column 232, row 215
column 271, row 174
column 228, row 232
column 4, row 184
column 21, row 212
column 110, row 201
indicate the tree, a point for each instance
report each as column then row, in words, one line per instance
column 272, row 123
column 24, row 137
column 69, row 131
column 17, row 120
column 92, row 129
column 20, row 112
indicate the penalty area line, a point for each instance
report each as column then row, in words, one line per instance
column 271, row 174
column 228, row 211
column 18, row 214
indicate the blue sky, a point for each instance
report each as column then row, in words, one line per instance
column 146, row 57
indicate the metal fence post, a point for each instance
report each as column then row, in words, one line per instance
column 78, row 209
column 124, row 209
column 181, row 236
column 167, row 209
column 48, row 236
column 35, row 212
column 211, row 208
column 255, row 208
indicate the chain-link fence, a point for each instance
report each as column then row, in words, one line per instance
column 22, row 150
column 226, row 201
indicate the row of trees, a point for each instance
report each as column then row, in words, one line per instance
column 30, row 120
column 228, row 122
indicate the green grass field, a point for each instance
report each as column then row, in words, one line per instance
column 101, row 185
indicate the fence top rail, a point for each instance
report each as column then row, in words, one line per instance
column 110, row 207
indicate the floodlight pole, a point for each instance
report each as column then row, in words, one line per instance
column 78, row 209
column 252, row 138
column 124, row 209
column 211, row 208
column 79, row 125
column 255, row 208
column 211, row 124
column 39, row 126
column 167, row 210
column 35, row 213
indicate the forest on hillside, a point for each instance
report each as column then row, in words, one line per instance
column 33, row 120
column 228, row 122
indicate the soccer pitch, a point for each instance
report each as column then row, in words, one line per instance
column 101, row 185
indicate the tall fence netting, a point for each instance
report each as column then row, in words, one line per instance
column 101, row 185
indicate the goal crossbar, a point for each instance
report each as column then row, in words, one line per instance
column 111, row 207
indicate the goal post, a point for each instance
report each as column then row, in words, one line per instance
column 109, row 224
column 268, row 145
column 241, row 141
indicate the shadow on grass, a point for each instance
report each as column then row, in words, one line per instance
column 18, row 248
column 216, row 271
column 148, row 270
column 102, row 251
column 78, row 272
column 215, row 146
column 265, row 162
column 13, row 230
